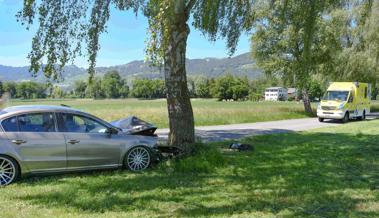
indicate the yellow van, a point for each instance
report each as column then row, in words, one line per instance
column 344, row 101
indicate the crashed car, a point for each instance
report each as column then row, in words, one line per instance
column 135, row 126
column 37, row 139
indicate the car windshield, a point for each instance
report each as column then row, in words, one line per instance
column 336, row 95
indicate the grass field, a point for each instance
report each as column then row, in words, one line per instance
column 329, row 173
column 207, row 112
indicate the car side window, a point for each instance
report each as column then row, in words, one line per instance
column 79, row 124
column 10, row 124
column 38, row 122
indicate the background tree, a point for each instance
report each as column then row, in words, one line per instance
column 356, row 28
column 80, row 88
column 202, row 87
column 142, row 88
column 64, row 26
column 10, row 87
column 29, row 89
column 315, row 90
column 111, row 84
column 1, row 88
column 148, row 88
column 158, row 87
column 95, row 90
column 222, row 88
column 290, row 40
column 229, row 87
column 57, row 92
column 124, row 89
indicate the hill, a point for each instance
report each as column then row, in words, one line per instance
column 211, row 67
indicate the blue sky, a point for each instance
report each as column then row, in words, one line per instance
column 124, row 42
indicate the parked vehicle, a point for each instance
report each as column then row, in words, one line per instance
column 45, row 139
column 344, row 101
column 135, row 126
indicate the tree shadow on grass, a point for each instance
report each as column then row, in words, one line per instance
column 235, row 134
column 288, row 175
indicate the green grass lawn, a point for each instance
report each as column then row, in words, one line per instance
column 330, row 173
column 206, row 111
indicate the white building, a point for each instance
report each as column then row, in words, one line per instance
column 276, row 94
column 292, row 93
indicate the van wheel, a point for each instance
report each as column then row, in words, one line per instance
column 363, row 117
column 345, row 119
column 320, row 119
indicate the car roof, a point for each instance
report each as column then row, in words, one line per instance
column 35, row 108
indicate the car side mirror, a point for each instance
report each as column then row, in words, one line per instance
column 111, row 131
column 350, row 99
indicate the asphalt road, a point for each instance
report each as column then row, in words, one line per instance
column 237, row 131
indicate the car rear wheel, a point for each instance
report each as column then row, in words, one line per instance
column 9, row 170
column 138, row 159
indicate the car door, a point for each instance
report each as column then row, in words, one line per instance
column 88, row 144
column 40, row 146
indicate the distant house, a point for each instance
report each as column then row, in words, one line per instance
column 292, row 93
column 276, row 94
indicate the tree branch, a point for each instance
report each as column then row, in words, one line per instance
column 189, row 7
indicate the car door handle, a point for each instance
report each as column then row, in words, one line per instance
column 73, row 141
column 18, row 141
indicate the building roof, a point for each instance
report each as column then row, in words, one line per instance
column 275, row 88
column 292, row 90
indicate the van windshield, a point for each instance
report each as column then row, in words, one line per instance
column 336, row 95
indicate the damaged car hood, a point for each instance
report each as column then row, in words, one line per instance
column 135, row 126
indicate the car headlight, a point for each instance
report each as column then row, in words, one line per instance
column 341, row 106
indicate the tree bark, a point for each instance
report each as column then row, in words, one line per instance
column 307, row 102
column 181, row 121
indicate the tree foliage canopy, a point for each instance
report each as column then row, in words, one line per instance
column 336, row 39
column 71, row 28
column 291, row 38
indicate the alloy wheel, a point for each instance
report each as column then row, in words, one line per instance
column 138, row 159
column 7, row 171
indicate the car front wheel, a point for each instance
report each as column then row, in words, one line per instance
column 8, row 170
column 138, row 159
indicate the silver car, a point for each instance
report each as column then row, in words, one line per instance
column 44, row 139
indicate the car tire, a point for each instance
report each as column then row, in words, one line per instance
column 9, row 170
column 137, row 159
column 345, row 118
column 320, row 119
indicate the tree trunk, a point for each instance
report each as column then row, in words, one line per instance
column 181, row 121
column 307, row 102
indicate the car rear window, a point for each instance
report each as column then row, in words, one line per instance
column 39, row 122
column 10, row 124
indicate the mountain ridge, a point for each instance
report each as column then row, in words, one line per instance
column 241, row 65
